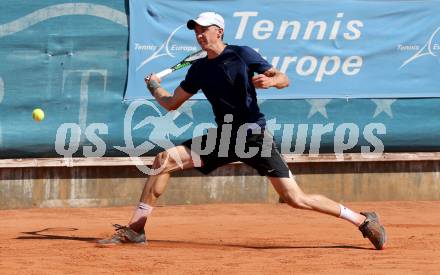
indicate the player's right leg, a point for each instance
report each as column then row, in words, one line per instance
column 276, row 169
column 172, row 159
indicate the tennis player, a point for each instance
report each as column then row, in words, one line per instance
column 228, row 77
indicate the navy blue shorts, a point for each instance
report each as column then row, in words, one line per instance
column 267, row 161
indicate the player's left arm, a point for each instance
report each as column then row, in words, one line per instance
column 270, row 78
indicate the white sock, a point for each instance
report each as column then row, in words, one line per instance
column 351, row 216
column 141, row 213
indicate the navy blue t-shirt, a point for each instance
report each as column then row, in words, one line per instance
column 226, row 82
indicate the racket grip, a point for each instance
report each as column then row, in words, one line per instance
column 164, row 73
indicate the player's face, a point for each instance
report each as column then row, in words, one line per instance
column 207, row 36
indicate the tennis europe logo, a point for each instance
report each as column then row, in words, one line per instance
column 169, row 47
column 430, row 48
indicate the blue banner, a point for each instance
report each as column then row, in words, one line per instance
column 70, row 59
column 346, row 49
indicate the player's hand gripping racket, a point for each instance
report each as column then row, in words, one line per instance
column 182, row 64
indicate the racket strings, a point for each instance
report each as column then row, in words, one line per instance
column 197, row 55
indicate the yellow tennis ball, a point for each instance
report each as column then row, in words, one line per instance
column 38, row 115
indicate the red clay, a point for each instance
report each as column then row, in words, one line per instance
column 221, row 238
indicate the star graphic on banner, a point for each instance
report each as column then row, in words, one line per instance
column 318, row 106
column 383, row 105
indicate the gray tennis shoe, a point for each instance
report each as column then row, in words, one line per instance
column 125, row 234
column 373, row 230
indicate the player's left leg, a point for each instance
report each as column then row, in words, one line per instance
column 367, row 222
column 270, row 163
column 291, row 193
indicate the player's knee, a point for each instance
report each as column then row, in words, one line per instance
column 162, row 161
column 296, row 201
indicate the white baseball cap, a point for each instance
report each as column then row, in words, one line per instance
column 207, row 19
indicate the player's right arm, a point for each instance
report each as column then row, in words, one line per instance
column 164, row 98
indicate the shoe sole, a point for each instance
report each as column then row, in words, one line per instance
column 375, row 217
column 105, row 245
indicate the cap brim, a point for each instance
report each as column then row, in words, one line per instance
column 191, row 24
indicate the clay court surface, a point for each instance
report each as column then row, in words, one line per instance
column 221, row 239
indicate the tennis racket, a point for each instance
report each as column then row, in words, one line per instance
column 182, row 64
